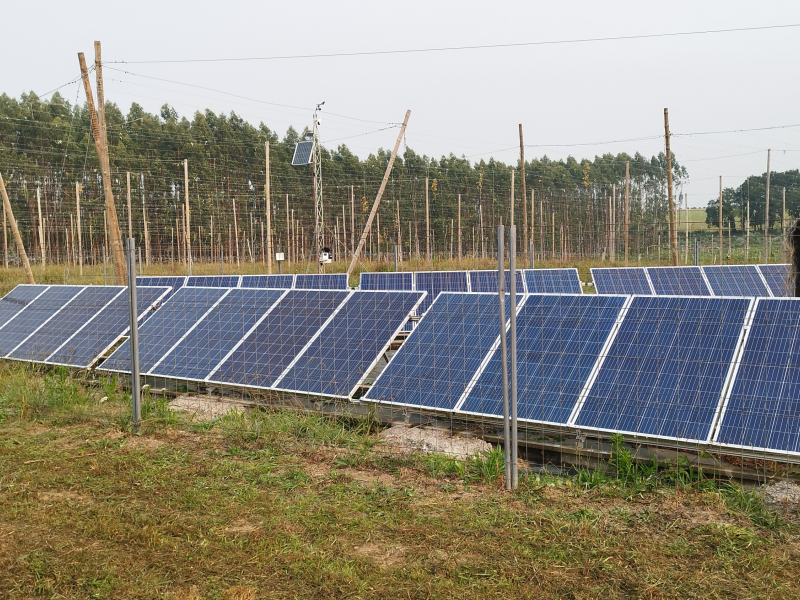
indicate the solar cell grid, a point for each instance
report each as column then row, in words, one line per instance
column 486, row 281
column 219, row 281
column 559, row 339
column 387, row 281
column 16, row 330
column 284, row 282
column 202, row 348
column 323, row 281
column 435, row 282
column 101, row 332
column 629, row 280
column 553, row 281
column 302, row 153
column 54, row 332
column 167, row 325
column 17, row 299
column 173, row 282
column 678, row 281
column 277, row 340
column 438, row 360
column 762, row 410
column 735, row 280
column 335, row 362
column 776, row 278
column 666, row 368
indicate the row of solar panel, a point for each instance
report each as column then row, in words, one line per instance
column 307, row 341
column 762, row 281
column 303, row 281
column 723, row 371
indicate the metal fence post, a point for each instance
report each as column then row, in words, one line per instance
column 134, row 335
column 512, row 278
column 501, row 293
column 696, row 256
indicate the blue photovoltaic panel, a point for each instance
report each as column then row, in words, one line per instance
column 275, row 342
column 678, row 281
column 99, row 334
column 776, row 276
column 283, row 282
column 632, row 280
column 173, row 282
column 15, row 331
column 302, row 154
column 665, row 371
column 736, row 280
column 334, row 363
column 221, row 329
column 52, row 334
column 553, row 281
column 387, row 281
column 168, row 325
column 324, row 281
column 442, row 355
column 218, row 281
column 559, row 339
column 486, row 281
column 763, row 409
column 435, row 282
column 17, row 299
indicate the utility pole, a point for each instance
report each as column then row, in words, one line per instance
column 766, row 216
column 673, row 232
column 524, row 196
column 375, row 204
column 130, row 218
column 459, row 230
column 686, row 214
column 720, row 219
column 783, row 214
column 188, row 225
column 101, row 144
column 352, row 220
column 15, row 230
column 267, row 193
column 627, row 206
column 427, row 222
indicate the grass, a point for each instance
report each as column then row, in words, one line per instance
column 281, row 504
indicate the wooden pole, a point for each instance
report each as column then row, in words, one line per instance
column 533, row 249
column 627, row 206
column 344, row 232
column 15, row 230
column 686, row 214
column 720, row 219
column 288, row 231
column 101, row 144
column 187, row 224
column 130, row 217
column 766, row 215
column 427, row 221
column 5, row 238
column 42, row 245
column 352, row 220
column 511, row 222
column 236, row 232
column 783, row 214
column 613, row 229
column 268, row 193
column 524, row 196
column 379, row 195
column 459, row 229
column 483, row 239
column 673, row 232
column 399, row 237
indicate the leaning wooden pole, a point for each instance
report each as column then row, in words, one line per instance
column 15, row 230
column 98, row 130
column 375, row 204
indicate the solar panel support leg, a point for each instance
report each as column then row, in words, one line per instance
column 136, row 393
column 503, row 350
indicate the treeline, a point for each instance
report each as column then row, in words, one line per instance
column 579, row 205
column 752, row 192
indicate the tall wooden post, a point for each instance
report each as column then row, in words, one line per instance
column 5, row 238
column 459, row 229
column 236, row 232
column 766, row 215
column 130, row 217
column 352, row 220
column 511, row 222
column 375, row 204
column 531, row 244
column 524, row 196
column 15, row 230
column 673, row 231
column 720, row 219
column 613, row 223
column 268, row 193
column 78, row 226
column 42, row 245
column 783, row 214
column 686, row 214
column 427, row 222
column 627, row 207
column 188, row 223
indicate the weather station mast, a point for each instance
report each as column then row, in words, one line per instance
column 309, row 151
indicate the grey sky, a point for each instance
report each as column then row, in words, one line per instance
column 466, row 102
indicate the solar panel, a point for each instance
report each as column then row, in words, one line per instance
column 762, row 410
column 559, row 339
column 435, row 282
column 553, row 281
column 665, row 371
column 776, row 278
column 204, row 346
column 218, row 281
column 173, row 282
column 167, row 325
column 302, row 154
column 322, row 281
column 283, row 282
column 348, row 347
column 16, row 330
column 434, row 365
column 53, row 333
column 486, row 281
column 736, row 280
column 678, row 281
column 17, row 299
column 628, row 280
column 387, row 281
column 100, row 333
column 276, row 341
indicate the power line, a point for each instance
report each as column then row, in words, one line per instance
column 457, row 48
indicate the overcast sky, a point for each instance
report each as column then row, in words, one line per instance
column 468, row 102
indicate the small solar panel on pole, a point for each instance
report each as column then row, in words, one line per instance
column 134, row 337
